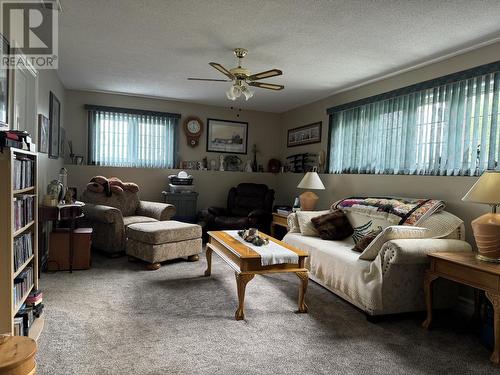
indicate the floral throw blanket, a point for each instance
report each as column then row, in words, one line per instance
column 398, row 211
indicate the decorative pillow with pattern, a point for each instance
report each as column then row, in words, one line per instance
column 364, row 242
column 361, row 231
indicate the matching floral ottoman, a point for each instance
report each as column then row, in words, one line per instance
column 158, row 241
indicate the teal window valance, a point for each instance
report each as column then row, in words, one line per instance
column 447, row 126
column 122, row 138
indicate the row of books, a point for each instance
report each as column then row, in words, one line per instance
column 23, row 172
column 24, row 205
column 29, row 311
column 23, row 249
column 22, row 283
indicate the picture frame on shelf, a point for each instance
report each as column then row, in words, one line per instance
column 226, row 136
column 304, row 135
column 55, row 126
column 43, row 134
column 4, row 86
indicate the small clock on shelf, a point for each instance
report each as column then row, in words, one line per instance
column 193, row 127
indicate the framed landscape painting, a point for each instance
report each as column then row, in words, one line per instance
column 227, row 136
column 304, row 135
column 54, row 126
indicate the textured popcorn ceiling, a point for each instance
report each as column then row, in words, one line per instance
column 150, row 47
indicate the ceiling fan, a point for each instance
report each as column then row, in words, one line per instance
column 242, row 78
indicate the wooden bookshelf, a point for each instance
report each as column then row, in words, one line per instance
column 8, row 194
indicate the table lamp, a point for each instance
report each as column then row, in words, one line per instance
column 486, row 228
column 308, row 199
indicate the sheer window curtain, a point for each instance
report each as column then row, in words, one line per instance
column 123, row 139
column 451, row 129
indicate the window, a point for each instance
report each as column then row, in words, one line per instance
column 130, row 138
column 447, row 126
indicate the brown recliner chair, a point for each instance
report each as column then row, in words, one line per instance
column 109, row 216
column 248, row 206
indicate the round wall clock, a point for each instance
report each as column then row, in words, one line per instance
column 193, row 127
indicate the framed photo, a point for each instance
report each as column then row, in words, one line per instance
column 43, row 134
column 4, row 86
column 227, row 136
column 304, row 135
column 54, row 126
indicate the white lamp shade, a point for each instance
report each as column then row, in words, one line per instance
column 486, row 190
column 311, row 181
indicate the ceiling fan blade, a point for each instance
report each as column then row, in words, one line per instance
column 221, row 69
column 270, row 86
column 266, row 74
column 209, row 79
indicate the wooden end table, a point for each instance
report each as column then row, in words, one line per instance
column 464, row 268
column 279, row 220
column 246, row 263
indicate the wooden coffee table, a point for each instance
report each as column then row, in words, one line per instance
column 246, row 263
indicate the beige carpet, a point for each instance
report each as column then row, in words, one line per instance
column 118, row 318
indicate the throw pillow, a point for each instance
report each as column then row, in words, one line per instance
column 360, row 231
column 395, row 232
column 333, row 226
column 363, row 243
column 305, row 225
column 293, row 223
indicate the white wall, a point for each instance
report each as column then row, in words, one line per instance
column 212, row 186
column 263, row 128
column 450, row 189
column 48, row 169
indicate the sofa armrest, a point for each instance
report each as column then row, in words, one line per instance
column 217, row 211
column 101, row 213
column 156, row 210
column 415, row 251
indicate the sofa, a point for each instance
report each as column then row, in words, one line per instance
column 392, row 282
column 110, row 216
column 249, row 205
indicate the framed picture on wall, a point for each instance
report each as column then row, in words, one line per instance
column 4, row 86
column 54, row 125
column 43, row 134
column 227, row 136
column 304, row 135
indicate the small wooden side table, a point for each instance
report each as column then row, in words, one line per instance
column 464, row 268
column 69, row 212
column 17, row 355
column 279, row 220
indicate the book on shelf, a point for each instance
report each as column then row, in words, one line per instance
column 23, row 210
column 23, row 173
column 22, row 283
column 18, row 326
column 26, row 313
column 35, row 297
column 23, row 249
column 283, row 212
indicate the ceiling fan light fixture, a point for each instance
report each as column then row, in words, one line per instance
column 247, row 92
column 229, row 94
column 234, row 91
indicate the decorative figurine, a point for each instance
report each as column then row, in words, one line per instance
column 248, row 166
column 221, row 163
column 252, row 235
